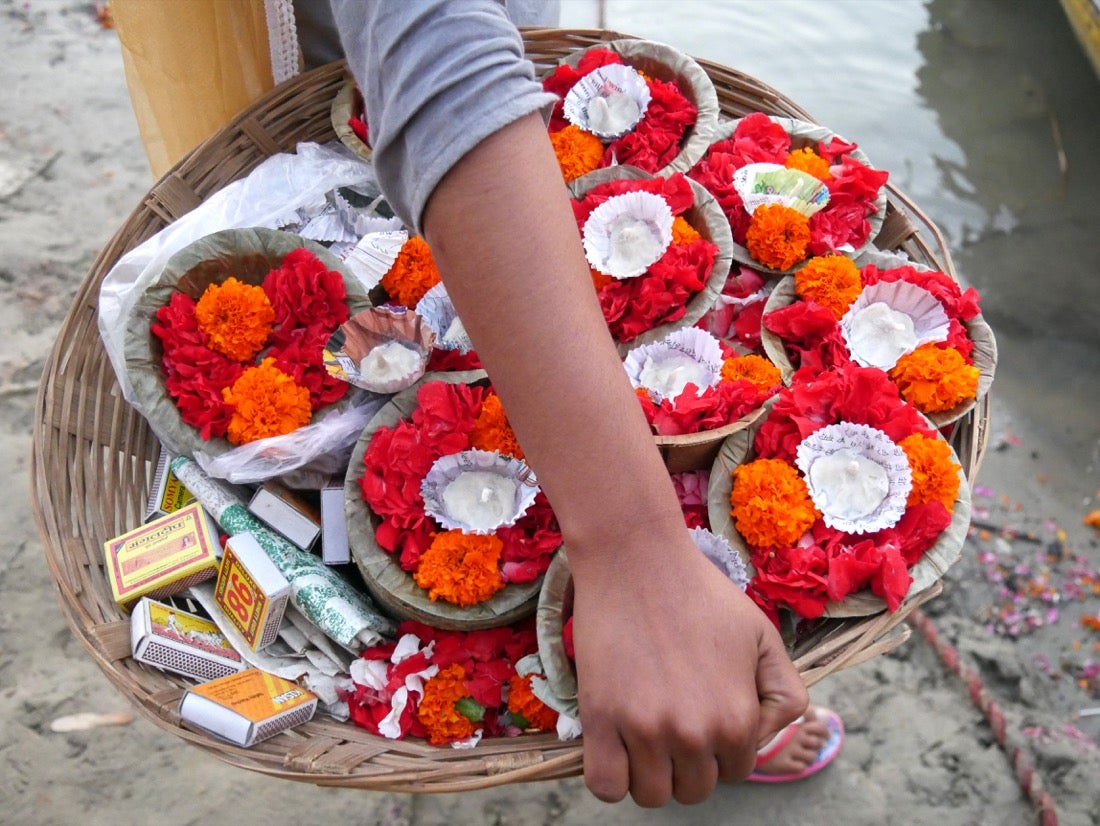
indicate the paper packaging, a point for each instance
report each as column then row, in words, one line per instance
column 251, row 590
column 168, row 493
column 181, row 642
column 334, row 525
column 287, row 512
column 248, row 707
column 162, row 557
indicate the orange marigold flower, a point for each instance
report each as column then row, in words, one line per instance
column 236, row 318
column 412, row 274
column 264, row 401
column 463, row 569
column 833, row 281
column 934, row 379
column 683, row 232
column 578, row 152
column 492, row 430
column 935, row 471
column 806, row 160
column 522, row 701
column 764, row 375
column 771, row 503
column 778, row 236
column 438, row 711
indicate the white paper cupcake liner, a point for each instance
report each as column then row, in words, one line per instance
column 374, row 255
column 628, row 233
column 478, row 491
column 608, row 101
column 771, row 183
column 719, row 551
column 858, row 477
column 665, row 367
column 888, row 320
column 381, row 349
column 441, row 316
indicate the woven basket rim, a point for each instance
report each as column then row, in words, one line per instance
column 93, row 457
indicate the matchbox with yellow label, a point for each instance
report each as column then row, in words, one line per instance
column 163, row 556
column 251, row 590
column 168, row 494
column 247, row 707
column 175, row 640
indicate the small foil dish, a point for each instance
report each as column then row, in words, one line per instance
column 664, row 368
column 626, row 234
column 858, row 477
column 440, row 315
column 381, row 349
column 771, row 183
column 608, row 101
column 888, row 320
column 478, row 491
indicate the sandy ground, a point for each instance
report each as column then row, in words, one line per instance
column 918, row 751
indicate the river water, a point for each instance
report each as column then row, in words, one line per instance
column 986, row 113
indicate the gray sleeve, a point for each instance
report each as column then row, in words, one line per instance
column 437, row 77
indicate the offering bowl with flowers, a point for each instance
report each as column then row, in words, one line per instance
column 224, row 347
column 791, row 189
column 916, row 324
column 843, row 499
column 446, row 522
column 631, row 102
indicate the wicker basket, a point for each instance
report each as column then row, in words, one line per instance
column 94, row 457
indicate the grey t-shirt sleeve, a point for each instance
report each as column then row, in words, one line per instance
column 437, row 77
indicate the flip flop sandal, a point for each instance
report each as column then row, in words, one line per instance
column 828, row 752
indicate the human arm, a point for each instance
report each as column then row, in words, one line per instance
column 680, row 675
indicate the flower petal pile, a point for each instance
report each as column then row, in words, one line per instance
column 447, row 686
column 452, row 565
column 650, row 145
column 778, row 237
column 801, row 563
column 244, row 362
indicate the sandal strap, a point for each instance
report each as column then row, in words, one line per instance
column 778, row 743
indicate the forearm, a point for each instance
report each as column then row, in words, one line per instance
column 506, row 242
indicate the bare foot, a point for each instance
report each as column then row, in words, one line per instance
column 801, row 750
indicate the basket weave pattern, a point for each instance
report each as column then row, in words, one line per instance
column 94, row 456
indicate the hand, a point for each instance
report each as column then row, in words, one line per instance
column 681, row 678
